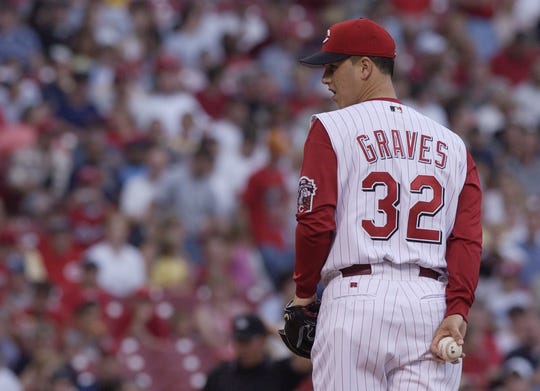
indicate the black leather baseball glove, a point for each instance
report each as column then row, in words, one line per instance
column 298, row 333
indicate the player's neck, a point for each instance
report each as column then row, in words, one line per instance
column 381, row 89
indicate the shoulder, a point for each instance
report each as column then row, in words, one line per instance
column 283, row 363
column 132, row 252
column 97, row 249
column 175, row 172
column 224, row 367
column 222, row 371
column 433, row 125
column 287, row 374
column 9, row 381
column 288, row 367
column 349, row 114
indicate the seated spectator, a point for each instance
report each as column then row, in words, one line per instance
column 506, row 292
column 60, row 254
column 528, row 341
column 484, row 357
column 515, row 375
column 43, row 354
column 216, row 309
column 8, row 379
column 525, row 96
column 252, row 368
column 167, row 101
column 17, row 40
column 44, row 308
column 266, row 199
column 70, row 98
column 121, row 266
column 145, row 323
column 88, row 333
column 85, row 290
column 171, row 269
column 88, row 208
column 63, row 379
column 514, row 61
column 186, row 193
column 138, row 194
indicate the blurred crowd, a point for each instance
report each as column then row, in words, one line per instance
column 149, row 158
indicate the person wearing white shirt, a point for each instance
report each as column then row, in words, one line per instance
column 121, row 266
column 139, row 192
column 8, row 380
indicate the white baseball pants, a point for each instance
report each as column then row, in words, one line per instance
column 374, row 333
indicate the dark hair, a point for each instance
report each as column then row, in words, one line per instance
column 384, row 64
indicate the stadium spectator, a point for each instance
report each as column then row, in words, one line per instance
column 166, row 100
column 88, row 89
column 186, row 193
column 266, row 198
column 170, row 268
column 18, row 42
column 121, row 266
column 137, row 199
column 252, row 368
column 60, row 255
column 515, row 60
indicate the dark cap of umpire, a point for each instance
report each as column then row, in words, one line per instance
column 355, row 37
column 247, row 326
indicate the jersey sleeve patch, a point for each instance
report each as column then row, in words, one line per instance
column 306, row 192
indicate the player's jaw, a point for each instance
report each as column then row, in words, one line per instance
column 339, row 77
column 336, row 96
column 343, row 95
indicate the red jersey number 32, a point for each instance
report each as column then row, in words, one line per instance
column 389, row 206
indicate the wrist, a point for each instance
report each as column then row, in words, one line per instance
column 303, row 300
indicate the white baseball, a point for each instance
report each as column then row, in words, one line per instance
column 450, row 350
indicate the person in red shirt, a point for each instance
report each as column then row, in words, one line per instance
column 43, row 309
column 266, row 201
column 514, row 62
column 412, row 7
column 60, row 254
column 212, row 98
column 85, row 290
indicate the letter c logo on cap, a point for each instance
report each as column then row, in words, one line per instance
column 327, row 36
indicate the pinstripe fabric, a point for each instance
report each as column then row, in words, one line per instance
column 374, row 333
column 352, row 244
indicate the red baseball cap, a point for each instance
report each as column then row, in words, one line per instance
column 355, row 37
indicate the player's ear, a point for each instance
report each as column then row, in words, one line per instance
column 364, row 66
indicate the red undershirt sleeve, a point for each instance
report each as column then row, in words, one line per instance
column 464, row 246
column 316, row 218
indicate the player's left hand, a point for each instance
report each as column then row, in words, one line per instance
column 298, row 333
column 303, row 301
column 452, row 326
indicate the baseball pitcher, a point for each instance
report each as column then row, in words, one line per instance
column 389, row 219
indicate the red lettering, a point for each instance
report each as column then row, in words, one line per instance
column 397, row 144
column 382, row 144
column 411, row 138
column 440, row 147
column 425, row 146
column 369, row 151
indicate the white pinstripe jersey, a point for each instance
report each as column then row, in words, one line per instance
column 399, row 178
